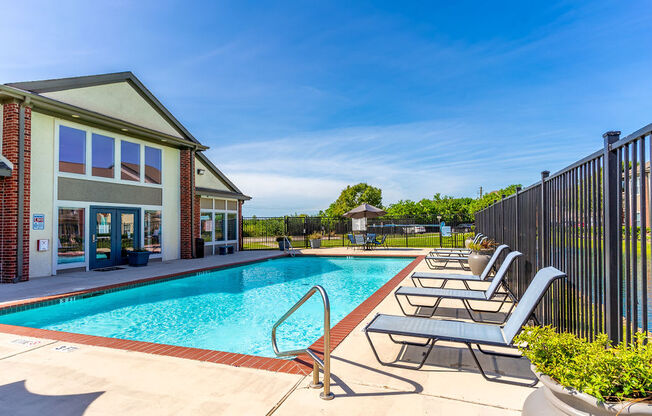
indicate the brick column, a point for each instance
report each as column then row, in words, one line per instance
column 188, row 208
column 9, row 189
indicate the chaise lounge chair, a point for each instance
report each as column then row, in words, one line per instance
column 435, row 261
column 468, row 333
column 465, row 295
column 417, row 277
column 443, row 251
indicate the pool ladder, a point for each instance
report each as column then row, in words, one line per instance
column 287, row 247
column 325, row 364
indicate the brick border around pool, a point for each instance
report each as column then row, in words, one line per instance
column 299, row 365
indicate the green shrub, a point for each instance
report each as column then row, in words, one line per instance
column 607, row 372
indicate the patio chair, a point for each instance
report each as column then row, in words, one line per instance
column 359, row 241
column 351, row 241
column 490, row 295
column 417, row 277
column 369, row 242
column 467, row 333
column 382, row 242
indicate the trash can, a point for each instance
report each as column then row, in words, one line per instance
column 199, row 248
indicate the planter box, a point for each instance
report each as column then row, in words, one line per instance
column 554, row 399
column 281, row 245
column 315, row 243
column 138, row 258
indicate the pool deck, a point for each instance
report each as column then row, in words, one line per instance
column 45, row 376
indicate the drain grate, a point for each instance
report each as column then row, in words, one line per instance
column 108, row 269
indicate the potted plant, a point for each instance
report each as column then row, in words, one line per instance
column 582, row 377
column 480, row 255
column 281, row 242
column 315, row 240
column 138, row 257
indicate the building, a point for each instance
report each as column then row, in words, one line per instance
column 93, row 167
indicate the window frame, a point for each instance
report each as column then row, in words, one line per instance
column 117, row 155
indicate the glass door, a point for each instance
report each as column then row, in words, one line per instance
column 101, row 253
column 114, row 233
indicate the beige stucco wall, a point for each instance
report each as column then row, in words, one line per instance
column 119, row 100
column 208, row 180
column 42, row 192
column 171, row 204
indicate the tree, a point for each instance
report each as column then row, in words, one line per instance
column 491, row 197
column 352, row 196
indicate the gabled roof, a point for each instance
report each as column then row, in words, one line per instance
column 219, row 174
column 5, row 166
column 61, row 84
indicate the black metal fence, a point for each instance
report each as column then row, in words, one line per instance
column 260, row 233
column 592, row 221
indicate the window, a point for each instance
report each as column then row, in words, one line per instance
column 102, row 149
column 152, row 234
column 232, row 226
column 207, row 226
column 129, row 161
column 71, row 236
column 219, row 226
column 72, row 150
column 152, row 165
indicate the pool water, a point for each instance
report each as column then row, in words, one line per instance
column 229, row 309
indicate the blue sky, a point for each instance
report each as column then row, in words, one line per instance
column 297, row 100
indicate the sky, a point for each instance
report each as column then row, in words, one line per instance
column 297, row 100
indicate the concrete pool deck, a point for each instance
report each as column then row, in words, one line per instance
column 42, row 376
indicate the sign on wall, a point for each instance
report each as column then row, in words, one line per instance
column 38, row 222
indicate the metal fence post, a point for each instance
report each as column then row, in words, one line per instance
column 543, row 234
column 611, row 176
column 502, row 218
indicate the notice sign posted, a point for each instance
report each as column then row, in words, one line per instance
column 38, row 222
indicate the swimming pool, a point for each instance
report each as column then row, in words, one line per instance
column 230, row 309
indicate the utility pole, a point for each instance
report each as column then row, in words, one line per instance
column 480, row 192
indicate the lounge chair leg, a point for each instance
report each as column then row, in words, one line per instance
column 416, row 312
column 497, row 379
column 469, row 310
column 394, row 363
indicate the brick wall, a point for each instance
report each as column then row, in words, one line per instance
column 187, row 181
column 9, row 193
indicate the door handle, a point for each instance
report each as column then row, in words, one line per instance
column 93, row 238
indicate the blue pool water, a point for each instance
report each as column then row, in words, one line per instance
column 227, row 310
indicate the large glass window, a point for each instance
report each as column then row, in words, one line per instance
column 103, row 160
column 232, row 226
column 71, row 236
column 152, row 237
column 219, row 226
column 152, row 165
column 130, row 161
column 72, row 150
column 207, row 226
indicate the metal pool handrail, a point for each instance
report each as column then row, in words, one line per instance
column 287, row 246
column 326, row 363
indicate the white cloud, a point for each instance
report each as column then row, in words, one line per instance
column 305, row 172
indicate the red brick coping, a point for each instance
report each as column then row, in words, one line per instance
column 299, row 365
